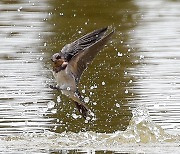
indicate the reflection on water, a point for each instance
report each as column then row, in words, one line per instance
column 138, row 67
column 23, row 95
column 159, row 75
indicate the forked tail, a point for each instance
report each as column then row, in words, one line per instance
column 82, row 109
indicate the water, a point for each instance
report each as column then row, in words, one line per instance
column 132, row 86
column 24, row 94
column 158, row 78
column 141, row 130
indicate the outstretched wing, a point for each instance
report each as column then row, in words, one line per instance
column 69, row 50
column 80, row 61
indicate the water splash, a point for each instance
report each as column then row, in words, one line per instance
column 141, row 130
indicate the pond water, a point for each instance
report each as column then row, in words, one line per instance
column 132, row 85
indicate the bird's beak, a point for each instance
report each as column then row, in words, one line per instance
column 52, row 60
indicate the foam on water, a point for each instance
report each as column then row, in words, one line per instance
column 141, row 130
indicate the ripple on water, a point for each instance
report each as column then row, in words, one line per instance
column 157, row 84
column 23, row 91
column 25, row 100
column 141, row 130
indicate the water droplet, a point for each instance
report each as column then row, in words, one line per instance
column 141, row 57
column 117, row 105
column 119, row 54
column 68, row 88
column 86, row 99
column 88, row 118
column 50, row 104
column 49, row 13
column 91, row 87
column 83, row 91
column 86, row 121
column 130, row 81
column 19, row 9
column 58, row 99
column 55, row 127
column 94, row 103
column 95, row 86
column 103, row 83
column 126, row 91
column 75, row 116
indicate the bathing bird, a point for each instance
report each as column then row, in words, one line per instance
column 70, row 63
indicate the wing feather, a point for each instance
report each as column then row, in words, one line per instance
column 80, row 61
column 72, row 49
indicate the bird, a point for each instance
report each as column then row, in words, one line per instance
column 70, row 63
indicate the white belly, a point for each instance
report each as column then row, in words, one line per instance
column 65, row 80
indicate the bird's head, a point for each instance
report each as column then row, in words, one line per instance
column 58, row 62
column 55, row 57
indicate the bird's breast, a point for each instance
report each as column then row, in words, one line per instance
column 65, row 80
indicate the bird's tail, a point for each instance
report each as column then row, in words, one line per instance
column 82, row 108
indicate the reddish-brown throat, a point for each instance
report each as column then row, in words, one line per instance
column 57, row 65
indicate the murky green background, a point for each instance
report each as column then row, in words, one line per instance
column 39, row 30
column 109, row 102
column 139, row 67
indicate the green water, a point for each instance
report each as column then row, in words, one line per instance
column 71, row 20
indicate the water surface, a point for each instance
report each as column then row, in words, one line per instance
column 24, row 96
column 158, row 76
column 132, row 85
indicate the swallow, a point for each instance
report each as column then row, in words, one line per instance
column 70, row 63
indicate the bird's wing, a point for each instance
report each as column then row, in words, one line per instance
column 80, row 61
column 69, row 50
